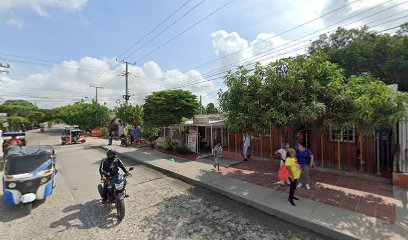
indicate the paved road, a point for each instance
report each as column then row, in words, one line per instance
column 159, row 207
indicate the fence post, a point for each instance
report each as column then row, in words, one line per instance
column 270, row 142
column 321, row 147
column 361, row 149
column 338, row 149
column 378, row 152
column 228, row 145
column 260, row 140
column 235, row 138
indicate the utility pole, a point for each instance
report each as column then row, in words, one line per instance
column 201, row 106
column 126, row 74
column 96, row 91
column 4, row 68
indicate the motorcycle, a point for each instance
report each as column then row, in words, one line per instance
column 116, row 192
column 123, row 141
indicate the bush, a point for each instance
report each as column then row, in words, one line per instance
column 168, row 144
column 182, row 150
column 104, row 131
column 151, row 134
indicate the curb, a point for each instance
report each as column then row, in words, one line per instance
column 322, row 230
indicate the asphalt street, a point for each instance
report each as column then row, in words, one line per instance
column 159, row 207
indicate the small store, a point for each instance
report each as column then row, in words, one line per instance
column 204, row 132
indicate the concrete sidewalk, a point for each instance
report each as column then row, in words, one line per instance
column 325, row 219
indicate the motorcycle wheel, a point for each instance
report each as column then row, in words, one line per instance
column 120, row 209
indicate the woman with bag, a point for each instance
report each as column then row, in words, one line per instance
column 294, row 174
column 281, row 155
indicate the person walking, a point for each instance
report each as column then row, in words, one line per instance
column 217, row 155
column 247, row 146
column 294, row 174
column 110, row 136
column 306, row 160
column 281, row 155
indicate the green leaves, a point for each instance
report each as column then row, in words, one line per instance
column 359, row 51
column 307, row 92
column 130, row 114
column 169, row 107
column 86, row 115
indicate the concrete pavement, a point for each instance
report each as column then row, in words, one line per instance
column 325, row 219
column 159, row 206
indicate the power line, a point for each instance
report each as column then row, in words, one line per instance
column 154, row 29
column 282, row 33
column 177, row 20
column 181, row 33
column 263, row 54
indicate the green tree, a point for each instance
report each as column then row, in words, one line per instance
column 130, row 114
column 211, row 109
column 358, row 51
column 17, row 107
column 165, row 108
column 242, row 103
column 17, row 122
column 373, row 103
column 151, row 134
column 85, row 115
column 307, row 92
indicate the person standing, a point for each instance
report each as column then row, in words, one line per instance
column 247, row 145
column 1, row 137
column 217, row 155
column 306, row 160
column 294, row 174
column 281, row 155
column 110, row 136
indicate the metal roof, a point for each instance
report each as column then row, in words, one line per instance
column 30, row 150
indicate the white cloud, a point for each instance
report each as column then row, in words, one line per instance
column 235, row 50
column 69, row 81
column 40, row 6
column 12, row 22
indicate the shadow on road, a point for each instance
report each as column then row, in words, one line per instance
column 10, row 213
column 201, row 214
column 91, row 214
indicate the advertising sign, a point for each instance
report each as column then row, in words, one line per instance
column 3, row 116
column 192, row 139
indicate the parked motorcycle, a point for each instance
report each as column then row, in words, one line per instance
column 123, row 141
column 116, row 192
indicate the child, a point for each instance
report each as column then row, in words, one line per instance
column 294, row 170
column 281, row 155
column 217, row 155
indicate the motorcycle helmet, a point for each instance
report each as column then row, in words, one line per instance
column 111, row 153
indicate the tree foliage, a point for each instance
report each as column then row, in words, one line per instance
column 169, row 107
column 26, row 110
column 85, row 115
column 307, row 92
column 130, row 114
column 359, row 51
column 211, row 109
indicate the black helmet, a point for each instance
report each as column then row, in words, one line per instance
column 110, row 153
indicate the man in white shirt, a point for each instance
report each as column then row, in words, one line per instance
column 247, row 144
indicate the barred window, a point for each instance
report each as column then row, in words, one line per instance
column 344, row 135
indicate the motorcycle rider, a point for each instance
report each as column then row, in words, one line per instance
column 110, row 168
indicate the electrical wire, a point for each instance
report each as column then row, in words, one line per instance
column 165, row 29
column 189, row 28
column 154, row 29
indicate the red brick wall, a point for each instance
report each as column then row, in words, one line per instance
column 400, row 179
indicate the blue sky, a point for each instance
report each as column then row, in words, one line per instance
column 78, row 35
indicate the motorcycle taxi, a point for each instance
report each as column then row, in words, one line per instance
column 29, row 175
